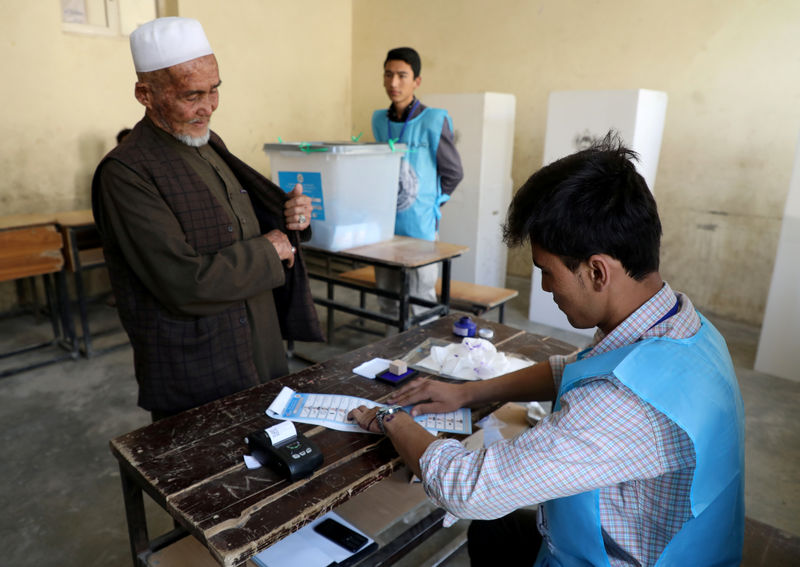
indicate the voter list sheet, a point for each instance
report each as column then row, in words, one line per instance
column 331, row 410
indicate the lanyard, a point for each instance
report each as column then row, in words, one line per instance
column 669, row 314
column 408, row 117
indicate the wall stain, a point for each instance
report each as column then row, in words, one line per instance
column 711, row 227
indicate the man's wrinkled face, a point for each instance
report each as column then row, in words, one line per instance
column 182, row 98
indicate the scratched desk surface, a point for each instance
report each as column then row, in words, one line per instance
column 401, row 251
column 191, row 464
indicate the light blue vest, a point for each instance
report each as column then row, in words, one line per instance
column 692, row 382
column 420, row 191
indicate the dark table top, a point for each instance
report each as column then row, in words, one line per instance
column 192, row 466
column 399, row 251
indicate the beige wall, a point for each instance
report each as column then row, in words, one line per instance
column 285, row 68
column 312, row 70
column 730, row 68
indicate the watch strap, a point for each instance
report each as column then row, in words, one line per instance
column 383, row 413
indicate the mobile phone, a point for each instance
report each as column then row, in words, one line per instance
column 340, row 534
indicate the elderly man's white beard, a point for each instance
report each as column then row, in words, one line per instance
column 193, row 142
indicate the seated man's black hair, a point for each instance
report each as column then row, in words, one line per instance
column 590, row 202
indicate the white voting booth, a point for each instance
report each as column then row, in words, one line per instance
column 778, row 353
column 575, row 119
column 484, row 135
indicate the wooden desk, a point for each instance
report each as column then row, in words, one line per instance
column 30, row 246
column 81, row 240
column 83, row 250
column 401, row 253
column 191, row 464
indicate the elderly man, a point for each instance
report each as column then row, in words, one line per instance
column 642, row 459
column 202, row 250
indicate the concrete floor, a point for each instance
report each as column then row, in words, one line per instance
column 61, row 495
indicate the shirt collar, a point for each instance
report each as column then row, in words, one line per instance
column 405, row 116
column 639, row 324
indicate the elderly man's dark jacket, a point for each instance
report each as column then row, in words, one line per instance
column 213, row 357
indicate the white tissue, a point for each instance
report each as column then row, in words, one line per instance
column 472, row 359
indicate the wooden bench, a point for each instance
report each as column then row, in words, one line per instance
column 464, row 296
column 31, row 246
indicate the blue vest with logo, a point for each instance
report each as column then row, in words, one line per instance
column 692, row 382
column 420, row 191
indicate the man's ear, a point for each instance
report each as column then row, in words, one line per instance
column 143, row 94
column 417, row 81
column 599, row 269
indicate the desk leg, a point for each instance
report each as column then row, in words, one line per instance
column 53, row 305
column 135, row 514
column 82, row 309
column 446, row 285
column 67, row 324
column 403, row 306
column 331, row 326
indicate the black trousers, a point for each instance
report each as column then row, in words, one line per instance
column 510, row 541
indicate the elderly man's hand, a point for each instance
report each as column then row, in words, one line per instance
column 282, row 246
column 365, row 417
column 297, row 209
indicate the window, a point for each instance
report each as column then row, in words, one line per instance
column 105, row 17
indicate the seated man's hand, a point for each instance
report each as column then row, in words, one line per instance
column 297, row 209
column 365, row 417
column 430, row 396
column 282, row 246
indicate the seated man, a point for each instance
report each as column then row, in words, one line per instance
column 642, row 460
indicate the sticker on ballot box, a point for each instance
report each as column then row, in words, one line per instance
column 312, row 186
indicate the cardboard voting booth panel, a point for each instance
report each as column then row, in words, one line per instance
column 483, row 125
column 777, row 347
column 576, row 119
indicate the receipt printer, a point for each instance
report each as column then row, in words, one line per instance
column 281, row 448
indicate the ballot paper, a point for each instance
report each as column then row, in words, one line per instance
column 331, row 410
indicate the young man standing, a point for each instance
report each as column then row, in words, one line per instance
column 429, row 172
column 642, row 460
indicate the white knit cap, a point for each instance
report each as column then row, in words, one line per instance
column 165, row 42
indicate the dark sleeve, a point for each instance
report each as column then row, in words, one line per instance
column 448, row 162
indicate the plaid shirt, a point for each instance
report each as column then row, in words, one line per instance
column 603, row 437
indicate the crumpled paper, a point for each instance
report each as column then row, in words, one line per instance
column 472, row 359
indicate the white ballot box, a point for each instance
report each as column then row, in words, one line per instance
column 575, row 119
column 353, row 188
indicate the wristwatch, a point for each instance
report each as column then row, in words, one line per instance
column 383, row 412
